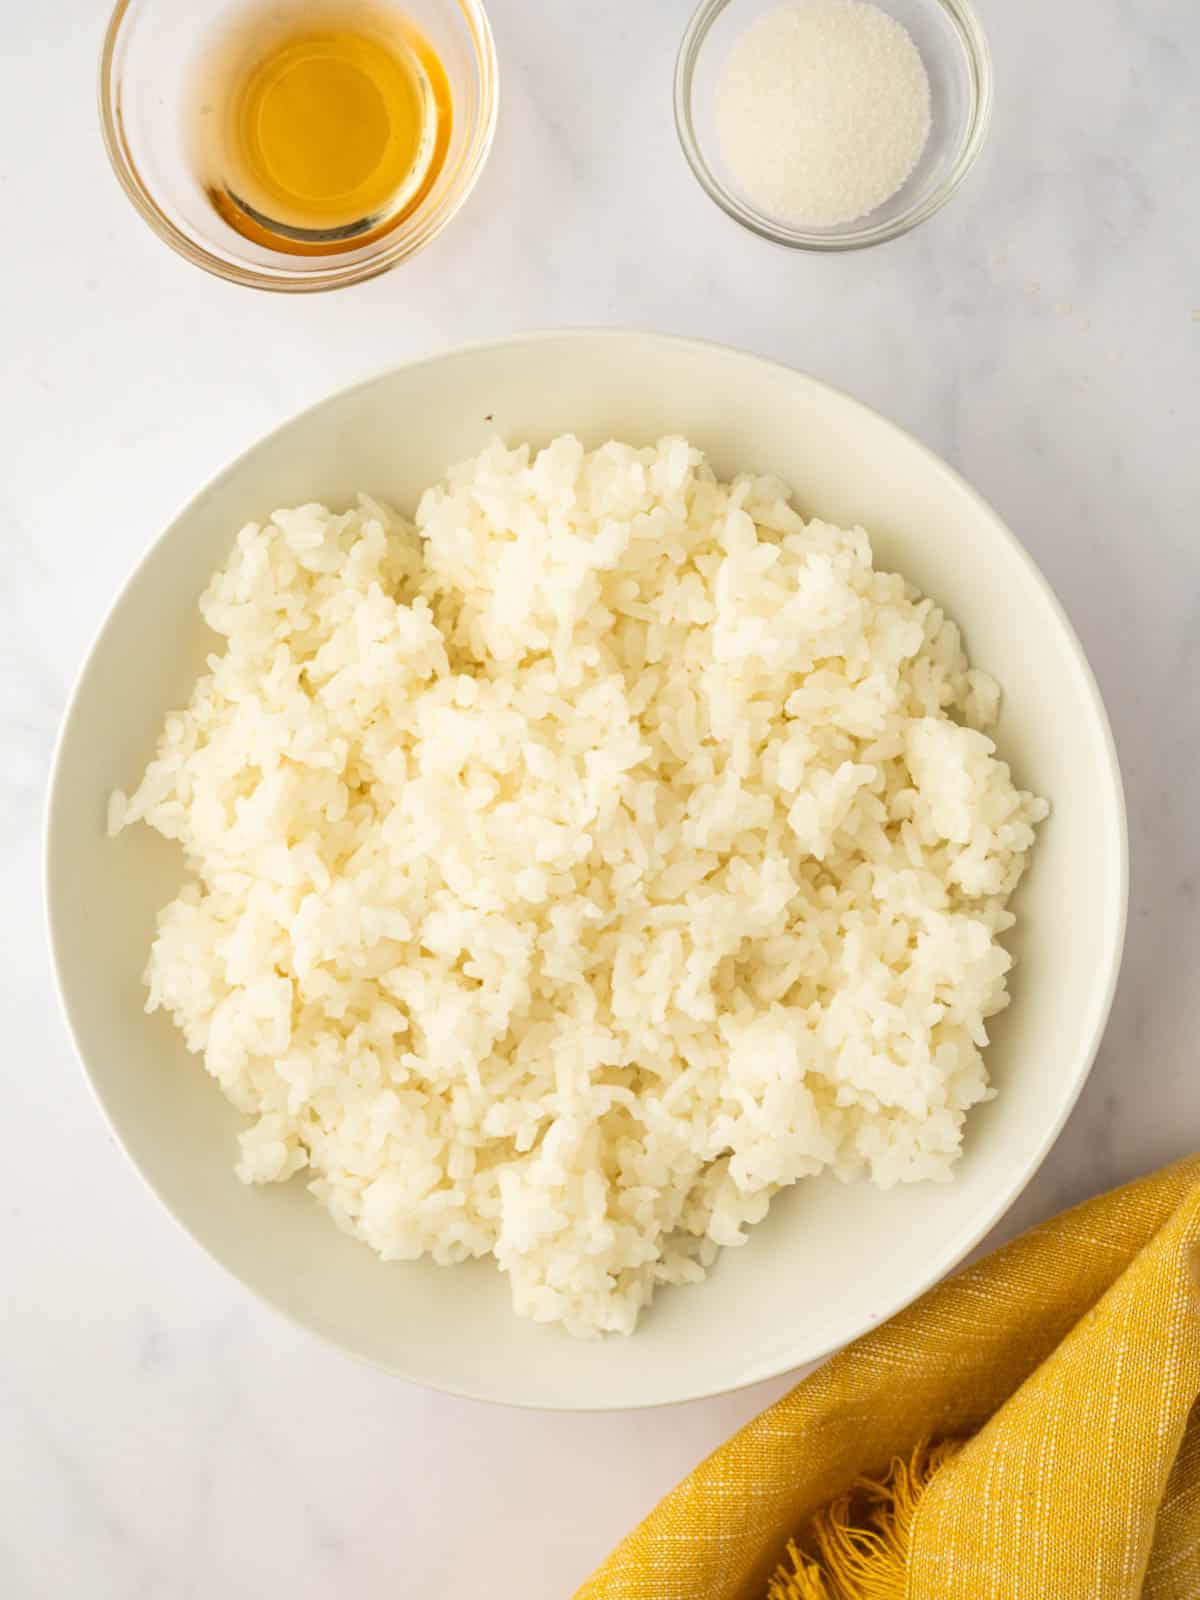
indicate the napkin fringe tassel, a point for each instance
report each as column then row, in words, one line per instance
column 860, row 1540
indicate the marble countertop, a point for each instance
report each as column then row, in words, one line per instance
column 160, row 1433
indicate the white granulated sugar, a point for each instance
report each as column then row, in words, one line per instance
column 823, row 109
column 574, row 870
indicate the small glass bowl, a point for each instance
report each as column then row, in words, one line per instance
column 956, row 56
column 151, row 53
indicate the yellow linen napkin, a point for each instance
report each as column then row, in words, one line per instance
column 1068, row 1361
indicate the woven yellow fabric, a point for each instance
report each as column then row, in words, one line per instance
column 1070, row 1359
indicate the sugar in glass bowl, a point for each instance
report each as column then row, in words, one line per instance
column 955, row 53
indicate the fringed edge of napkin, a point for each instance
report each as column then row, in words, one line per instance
column 859, row 1542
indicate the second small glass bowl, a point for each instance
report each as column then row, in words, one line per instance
column 150, row 52
column 956, row 56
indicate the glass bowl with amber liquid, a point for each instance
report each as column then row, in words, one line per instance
column 298, row 144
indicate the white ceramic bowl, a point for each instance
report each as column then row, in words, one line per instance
column 831, row 1260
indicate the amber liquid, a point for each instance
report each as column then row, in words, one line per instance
column 320, row 126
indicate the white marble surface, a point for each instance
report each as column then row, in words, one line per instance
column 161, row 1435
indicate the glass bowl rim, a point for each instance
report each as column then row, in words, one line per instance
column 857, row 236
column 396, row 246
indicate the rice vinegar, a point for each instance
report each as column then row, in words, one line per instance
column 320, row 126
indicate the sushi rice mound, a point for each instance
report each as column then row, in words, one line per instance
column 570, row 872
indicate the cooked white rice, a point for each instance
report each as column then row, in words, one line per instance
column 574, row 871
